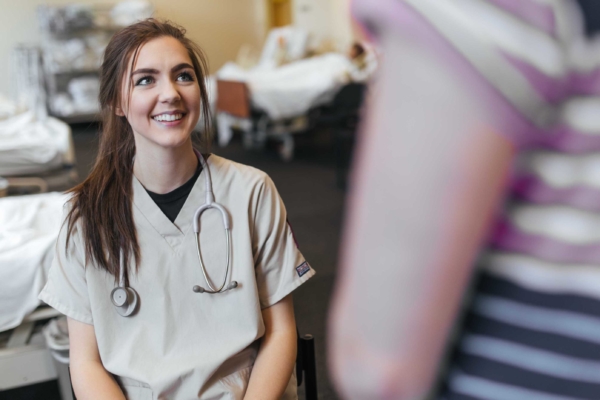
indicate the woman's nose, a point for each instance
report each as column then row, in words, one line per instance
column 169, row 92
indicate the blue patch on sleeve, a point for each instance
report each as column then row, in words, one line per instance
column 303, row 268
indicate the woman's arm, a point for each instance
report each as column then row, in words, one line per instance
column 277, row 354
column 89, row 378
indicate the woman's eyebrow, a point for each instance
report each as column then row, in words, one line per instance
column 144, row 71
column 181, row 66
column 154, row 71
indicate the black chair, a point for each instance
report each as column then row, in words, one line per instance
column 306, row 367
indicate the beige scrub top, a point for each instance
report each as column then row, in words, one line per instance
column 181, row 344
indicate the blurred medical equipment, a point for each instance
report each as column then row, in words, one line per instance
column 31, row 143
column 73, row 42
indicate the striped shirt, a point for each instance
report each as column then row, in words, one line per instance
column 532, row 329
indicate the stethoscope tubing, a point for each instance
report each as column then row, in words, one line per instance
column 208, row 282
column 210, row 203
column 125, row 298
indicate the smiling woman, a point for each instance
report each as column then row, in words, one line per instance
column 163, row 96
column 161, row 101
column 130, row 245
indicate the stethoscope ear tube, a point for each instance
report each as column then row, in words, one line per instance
column 204, row 207
column 210, row 203
column 233, row 284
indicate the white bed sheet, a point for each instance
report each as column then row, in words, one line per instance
column 30, row 146
column 291, row 90
column 29, row 226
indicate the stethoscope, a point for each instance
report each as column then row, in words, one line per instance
column 126, row 299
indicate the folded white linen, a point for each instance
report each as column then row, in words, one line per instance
column 29, row 226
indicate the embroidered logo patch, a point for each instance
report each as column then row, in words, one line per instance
column 303, row 268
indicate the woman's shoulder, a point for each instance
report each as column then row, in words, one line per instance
column 232, row 170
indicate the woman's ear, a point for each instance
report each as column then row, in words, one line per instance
column 119, row 112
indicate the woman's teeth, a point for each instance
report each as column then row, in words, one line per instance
column 168, row 117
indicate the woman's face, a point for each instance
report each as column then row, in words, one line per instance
column 164, row 104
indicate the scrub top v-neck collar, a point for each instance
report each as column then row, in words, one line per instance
column 173, row 233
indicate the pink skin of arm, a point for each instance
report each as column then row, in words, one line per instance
column 89, row 378
column 429, row 178
column 277, row 354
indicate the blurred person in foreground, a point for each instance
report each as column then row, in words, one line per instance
column 477, row 183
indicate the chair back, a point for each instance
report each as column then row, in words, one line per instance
column 306, row 366
column 233, row 98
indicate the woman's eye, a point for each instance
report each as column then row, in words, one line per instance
column 146, row 80
column 185, row 77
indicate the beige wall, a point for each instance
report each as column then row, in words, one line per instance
column 219, row 26
column 341, row 24
column 325, row 20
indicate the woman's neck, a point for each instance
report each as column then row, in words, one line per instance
column 164, row 170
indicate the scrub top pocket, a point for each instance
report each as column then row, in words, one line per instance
column 137, row 393
column 135, row 390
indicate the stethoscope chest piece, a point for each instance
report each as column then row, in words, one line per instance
column 125, row 300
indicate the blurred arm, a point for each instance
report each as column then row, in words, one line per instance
column 89, row 378
column 429, row 176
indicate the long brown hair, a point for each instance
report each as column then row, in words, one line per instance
column 103, row 201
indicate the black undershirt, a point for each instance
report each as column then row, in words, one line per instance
column 171, row 203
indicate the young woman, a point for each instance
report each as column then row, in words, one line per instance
column 156, row 310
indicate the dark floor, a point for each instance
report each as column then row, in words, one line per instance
column 315, row 207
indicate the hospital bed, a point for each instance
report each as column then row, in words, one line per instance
column 29, row 226
column 339, row 110
column 280, row 102
column 25, row 358
column 38, row 152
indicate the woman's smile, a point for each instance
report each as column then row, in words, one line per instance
column 171, row 118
